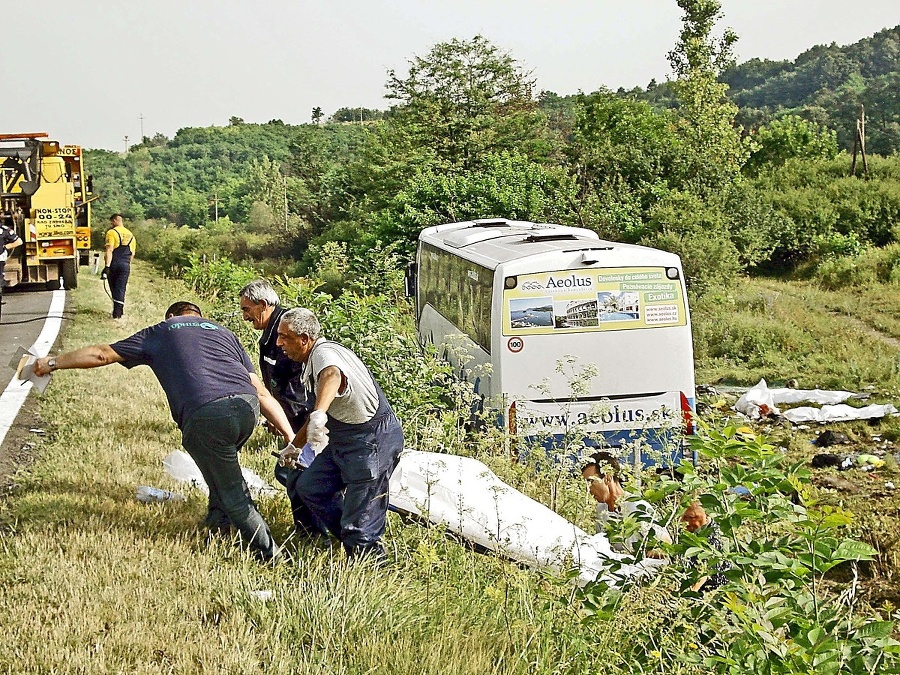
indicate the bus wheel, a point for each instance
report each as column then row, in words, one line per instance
column 70, row 273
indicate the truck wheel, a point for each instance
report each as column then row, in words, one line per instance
column 70, row 273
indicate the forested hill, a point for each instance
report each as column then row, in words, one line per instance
column 827, row 85
column 466, row 138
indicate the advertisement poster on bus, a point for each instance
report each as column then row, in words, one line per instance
column 593, row 300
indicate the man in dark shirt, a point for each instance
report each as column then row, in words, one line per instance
column 215, row 399
column 260, row 306
column 283, row 378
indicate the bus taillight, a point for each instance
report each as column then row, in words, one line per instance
column 687, row 415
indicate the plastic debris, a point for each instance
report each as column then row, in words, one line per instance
column 179, row 465
column 148, row 494
column 465, row 496
column 872, row 461
column 264, row 595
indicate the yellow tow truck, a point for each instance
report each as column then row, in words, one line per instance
column 46, row 192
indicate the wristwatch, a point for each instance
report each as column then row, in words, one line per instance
column 52, row 363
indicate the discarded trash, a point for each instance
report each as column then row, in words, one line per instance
column 889, row 485
column 265, row 596
column 37, row 431
column 179, row 465
column 826, row 459
column 872, row 461
column 145, row 493
column 740, row 490
column 828, row 438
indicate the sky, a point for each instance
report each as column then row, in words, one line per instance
column 91, row 72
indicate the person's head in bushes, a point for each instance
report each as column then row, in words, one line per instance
column 603, row 474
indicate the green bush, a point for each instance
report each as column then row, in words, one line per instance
column 777, row 546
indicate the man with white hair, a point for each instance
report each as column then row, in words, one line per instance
column 346, row 486
column 261, row 306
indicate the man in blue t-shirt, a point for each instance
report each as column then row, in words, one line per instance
column 215, row 398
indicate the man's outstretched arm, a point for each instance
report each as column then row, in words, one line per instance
column 86, row 357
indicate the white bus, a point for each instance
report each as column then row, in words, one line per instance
column 530, row 305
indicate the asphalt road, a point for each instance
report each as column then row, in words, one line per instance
column 21, row 320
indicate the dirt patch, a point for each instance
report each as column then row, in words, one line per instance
column 19, row 447
column 863, row 327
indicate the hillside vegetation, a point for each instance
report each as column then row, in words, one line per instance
column 793, row 267
column 715, row 165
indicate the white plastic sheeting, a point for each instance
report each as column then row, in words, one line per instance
column 179, row 465
column 760, row 400
column 464, row 495
column 838, row 413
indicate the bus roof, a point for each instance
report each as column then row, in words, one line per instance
column 496, row 241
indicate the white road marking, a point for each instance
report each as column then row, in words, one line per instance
column 16, row 391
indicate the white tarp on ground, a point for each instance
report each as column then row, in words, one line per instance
column 180, row 466
column 760, row 400
column 838, row 413
column 464, row 495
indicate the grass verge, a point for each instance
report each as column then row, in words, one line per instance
column 93, row 581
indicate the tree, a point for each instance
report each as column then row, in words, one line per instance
column 465, row 99
column 716, row 151
column 356, row 115
column 506, row 185
column 317, row 115
column 789, row 137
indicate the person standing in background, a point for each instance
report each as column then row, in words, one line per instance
column 120, row 249
column 9, row 240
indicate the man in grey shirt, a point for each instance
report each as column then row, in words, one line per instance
column 346, row 486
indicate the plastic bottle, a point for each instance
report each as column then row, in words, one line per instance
column 145, row 493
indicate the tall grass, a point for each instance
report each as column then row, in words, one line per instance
column 92, row 581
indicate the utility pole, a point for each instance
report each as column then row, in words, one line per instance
column 859, row 142
column 216, row 200
column 126, row 145
column 142, row 127
column 172, row 186
column 284, row 183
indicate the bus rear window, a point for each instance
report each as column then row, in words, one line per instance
column 459, row 290
column 577, row 301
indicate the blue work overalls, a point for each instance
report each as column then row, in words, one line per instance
column 119, row 270
column 346, row 486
